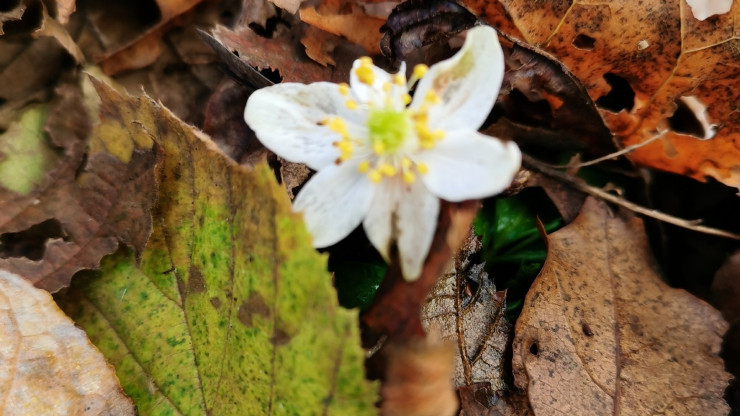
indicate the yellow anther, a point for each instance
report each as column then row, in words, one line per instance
column 338, row 125
column 375, row 176
column 378, row 148
column 364, row 166
column 344, row 88
column 422, row 168
column 387, row 87
column 438, row 134
column 405, row 163
column 387, row 169
column 409, row 177
column 432, row 97
column 406, row 98
column 351, row 104
column 420, row 70
column 365, row 71
column 399, row 79
column 345, row 149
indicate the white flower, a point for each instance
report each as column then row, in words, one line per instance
column 385, row 160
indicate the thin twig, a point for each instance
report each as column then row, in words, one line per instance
column 614, row 155
column 582, row 186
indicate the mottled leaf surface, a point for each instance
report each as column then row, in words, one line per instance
column 230, row 311
column 602, row 334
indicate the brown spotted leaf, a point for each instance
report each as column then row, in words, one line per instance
column 76, row 211
column 651, row 67
column 230, row 310
column 602, row 334
column 49, row 367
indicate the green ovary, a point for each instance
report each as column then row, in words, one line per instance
column 388, row 128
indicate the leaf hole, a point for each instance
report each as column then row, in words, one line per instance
column 690, row 119
column 272, row 74
column 534, row 349
column 584, row 42
column 586, row 328
column 31, row 243
column 620, row 97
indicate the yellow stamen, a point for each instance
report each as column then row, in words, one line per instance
column 387, row 169
column 378, row 148
column 365, row 71
column 406, row 98
column 420, row 70
column 344, row 88
column 375, row 176
column 364, row 166
column 422, row 168
column 405, row 163
column 409, row 177
column 432, row 97
column 351, row 104
column 338, row 125
column 387, row 87
column 399, row 79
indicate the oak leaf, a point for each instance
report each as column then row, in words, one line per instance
column 49, row 367
column 601, row 334
column 640, row 63
column 230, row 310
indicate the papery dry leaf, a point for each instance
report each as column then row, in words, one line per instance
column 357, row 27
column 319, row 45
column 11, row 15
column 480, row 400
column 601, row 334
column 726, row 288
column 94, row 206
column 256, row 12
column 417, row 380
column 49, row 367
column 52, row 28
column 64, row 9
column 652, row 54
column 291, row 6
column 473, row 321
column 280, row 54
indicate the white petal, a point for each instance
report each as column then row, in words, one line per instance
column 334, row 202
column 468, row 83
column 378, row 223
column 286, row 119
column 469, row 165
column 416, row 221
column 371, row 93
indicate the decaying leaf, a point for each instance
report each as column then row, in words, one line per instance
column 13, row 14
column 637, row 62
column 91, row 206
column 231, row 310
column 48, row 365
column 601, row 334
column 471, row 319
column 356, row 26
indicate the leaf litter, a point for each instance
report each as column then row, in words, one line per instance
column 174, row 69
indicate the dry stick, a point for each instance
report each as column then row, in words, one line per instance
column 614, row 155
column 582, row 186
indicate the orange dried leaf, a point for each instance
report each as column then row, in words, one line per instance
column 357, row 26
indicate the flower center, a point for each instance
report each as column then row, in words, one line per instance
column 388, row 129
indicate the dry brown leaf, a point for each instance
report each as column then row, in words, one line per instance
column 474, row 321
column 726, row 288
column 65, row 8
column 52, row 28
column 357, row 27
column 660, row 52
column 417, row 379
column 319, row 45
column 49, row 367
column 11, row 15
column 291, row 6
column 601, row 334
column 94, row 207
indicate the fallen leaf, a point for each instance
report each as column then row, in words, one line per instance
column 319, row 45
column 480, row 400
column 637, row 63
column 357, row 27
column 94, row 204
column 726, row 288
column 471, row 319
column 49, row 365
column 65, row 8
column 600, row 333
column 13, row 14
column 54, row 29
column 231, row 310
column 291, row 6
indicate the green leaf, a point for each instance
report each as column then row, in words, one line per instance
column 230, row 310
column 357, row 282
